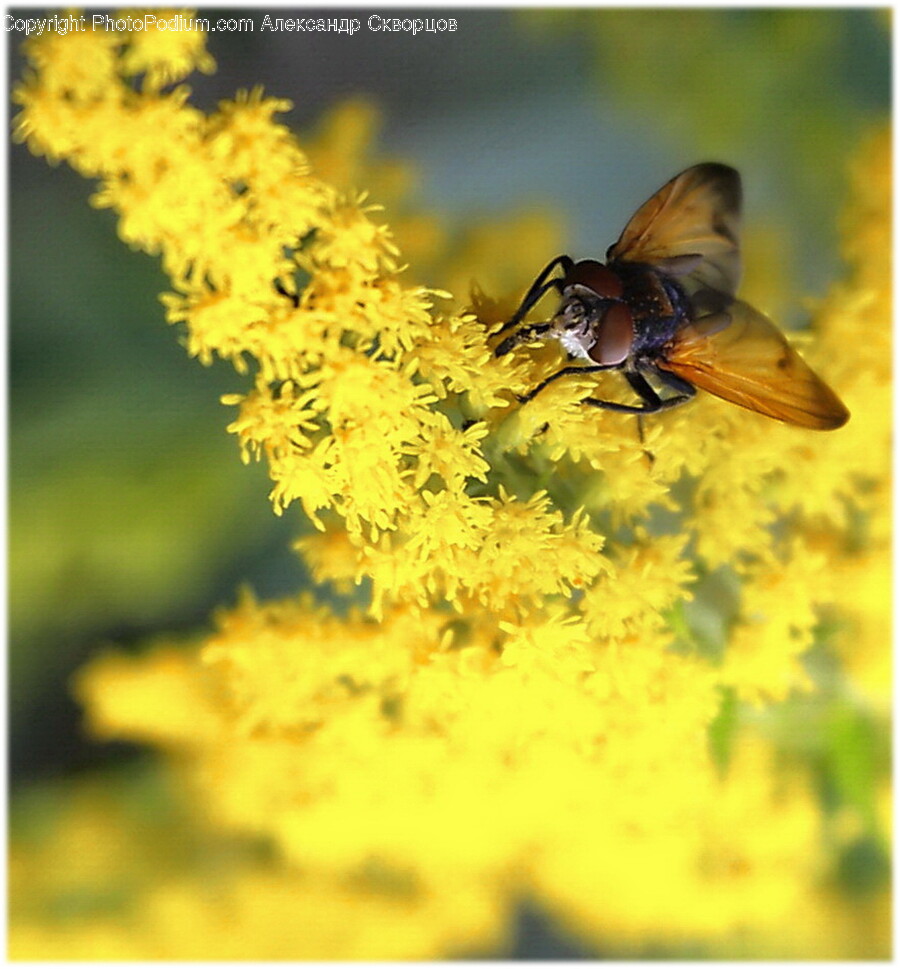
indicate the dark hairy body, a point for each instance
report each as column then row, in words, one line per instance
column 663, row 311
column 618, row 316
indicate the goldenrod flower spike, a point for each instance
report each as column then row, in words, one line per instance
column 538, row 692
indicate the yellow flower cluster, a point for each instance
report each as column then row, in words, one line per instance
column 525, row 703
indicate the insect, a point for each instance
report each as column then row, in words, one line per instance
column 662, row 310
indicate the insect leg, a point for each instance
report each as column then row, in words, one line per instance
column 652, row 402
column 522, row 335
column 651, row 398
column 293, row 297
column 649, row 455
column 565, row 372
column 540, row 286
column 676, row 383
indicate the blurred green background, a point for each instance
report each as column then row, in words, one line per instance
column 130, row 514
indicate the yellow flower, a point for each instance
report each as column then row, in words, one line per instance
column 775, row 627
column 168, row 48
column 79, row 66
column 643, row 581
column 272, row 422
column 549, row 666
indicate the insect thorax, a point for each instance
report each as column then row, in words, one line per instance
column 659, row 306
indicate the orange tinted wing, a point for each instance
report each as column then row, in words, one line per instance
column 690, row 228
column 742, row 357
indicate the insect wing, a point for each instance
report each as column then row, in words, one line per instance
column 740, row 355
column 690, row 228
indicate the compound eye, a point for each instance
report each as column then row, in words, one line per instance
column 596, row 277
column 615, row 337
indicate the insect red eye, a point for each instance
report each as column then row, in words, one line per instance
column 596, row 277
column 616, row 336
